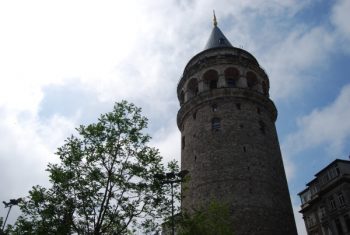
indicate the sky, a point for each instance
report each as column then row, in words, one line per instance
column 63, row 63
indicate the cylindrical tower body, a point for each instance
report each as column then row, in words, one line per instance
column 230, row 144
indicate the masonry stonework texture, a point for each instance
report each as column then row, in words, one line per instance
column 230, row 144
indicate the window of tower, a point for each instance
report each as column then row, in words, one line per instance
column 238, row 106
column 215, row 124
column 182, row 97
column 211, row 79
column 221, row 41
column 194, row 115
column 252, row 80
column 183, row 142
column 213, row 84
column 214, row 107
column 192, row 87
column 264, row 88
column 231, row 76
column 262, row 127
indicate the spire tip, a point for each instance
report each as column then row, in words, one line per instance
column 214, row 20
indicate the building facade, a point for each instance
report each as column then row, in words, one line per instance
column 325, row 202
column 229, row 140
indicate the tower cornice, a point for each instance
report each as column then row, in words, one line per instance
column 235, row 95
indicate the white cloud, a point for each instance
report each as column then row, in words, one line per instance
column 26, row 147
column 328, row 126
column 340, row 18
column 167, row 140
column 290, row 60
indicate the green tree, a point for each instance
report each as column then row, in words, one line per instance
column 104, row 183
column 214, row 219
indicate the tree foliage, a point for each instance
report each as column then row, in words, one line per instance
column 209, row 220
column 104, row 182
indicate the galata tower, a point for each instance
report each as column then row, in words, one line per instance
column 229, row 142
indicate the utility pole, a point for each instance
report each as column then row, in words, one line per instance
column 12, row 202
column 171, row 178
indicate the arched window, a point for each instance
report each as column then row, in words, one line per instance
column 211, row 79
column 215, row 124
column 252, row 80
column 231, row 76
column 182, row 97
column 262, row 127
column 192, row 87
column 264, row 88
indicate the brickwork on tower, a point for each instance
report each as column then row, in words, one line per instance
column 229, row 142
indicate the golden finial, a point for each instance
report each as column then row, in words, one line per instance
column 214, row 20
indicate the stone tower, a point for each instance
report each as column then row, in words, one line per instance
column 229, row 140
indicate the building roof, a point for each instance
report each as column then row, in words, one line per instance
column 321, row 171
column 331, row 164
column 217, row 38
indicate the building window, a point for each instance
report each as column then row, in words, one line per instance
column 332, row 204
column 183, row 142
column 221, row 41
column 325, row 178
column 310, row 220
column 322, row 212
column 339, row 227
column 211, row 78
column 194, row 115
column 182, row 97
column 264, row 88
column 333, row 172
column 244, row 149
column 238, row 106
column 347, row 222
column 215, row 124
column 231, row 76
column 305, row 197
column 262, row 127
column 231, row 83
column 326, row 229
column 213, row 84
column 314, row 188
column 192, row 87
column 258, row 110
column 252, row 80
column 214, row 107
column 341, row 199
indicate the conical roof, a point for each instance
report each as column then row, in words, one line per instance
column 217, row 39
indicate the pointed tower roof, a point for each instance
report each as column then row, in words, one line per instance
column 217, row 38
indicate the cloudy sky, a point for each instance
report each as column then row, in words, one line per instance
column 62, row 63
